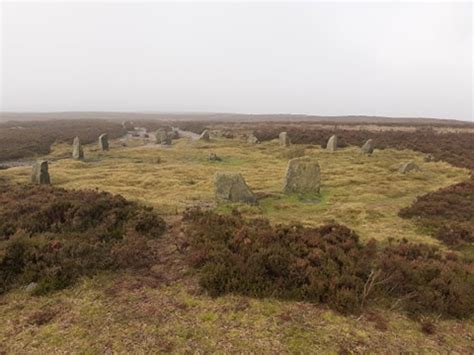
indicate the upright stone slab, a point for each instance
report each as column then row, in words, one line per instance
column 40, row 173
column 302, row 176
column 162, row 137
column 77, row 151
column 104, row 141
column 232, row 187
column 368, row 147
column 284, row 139
column 408, row 167
column 332, row 143
column 205, row 136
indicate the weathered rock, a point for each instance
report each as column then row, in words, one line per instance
column 77, row 151
column 408, row 167
column 302, row 176
column 162, row 137
column 284, row 139
column 205, row 136
column 214, row 157
column 31, row 287
column 40, row 174
column 128, row 125
column 232, row 187
column 252, row 139
column 104, row 141
column 368, row 147
column 429, row 158
column 332, row 143
column 174, row 134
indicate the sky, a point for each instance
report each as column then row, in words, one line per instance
column 399, row 59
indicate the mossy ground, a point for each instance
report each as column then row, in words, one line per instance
column 165, row 311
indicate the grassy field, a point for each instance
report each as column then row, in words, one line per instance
column 165, row 311
column 363, row 192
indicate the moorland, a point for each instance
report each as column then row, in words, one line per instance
column 130, row 252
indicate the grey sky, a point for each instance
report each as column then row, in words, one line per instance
column 394, row 59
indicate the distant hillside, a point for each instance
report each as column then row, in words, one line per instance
column 232, row 117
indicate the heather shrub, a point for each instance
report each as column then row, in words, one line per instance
column 326, row 265
column 448, row 213
column 53, row 236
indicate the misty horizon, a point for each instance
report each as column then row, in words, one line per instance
column 316, row 59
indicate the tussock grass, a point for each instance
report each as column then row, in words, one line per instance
column 362, row 192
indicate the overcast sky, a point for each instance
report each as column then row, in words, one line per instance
column 392, row 59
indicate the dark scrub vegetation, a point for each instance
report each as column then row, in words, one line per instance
column 448, row 213
column 52, row 236
column 326, row 265
column 20, row 140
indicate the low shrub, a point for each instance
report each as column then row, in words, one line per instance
column 326, row 265
column 447, row 213
column 52, row 236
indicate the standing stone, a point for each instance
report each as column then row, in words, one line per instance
column 77, row 151
column 128, row 125
column 408, row 167
column 40, row 174
column 368, row 147
column 232, row 187
column 332, row 143
column 284, row 139
column 205, row 136
column 162, row 137
column 302, row 176
column 104, row 141
column 252, row 139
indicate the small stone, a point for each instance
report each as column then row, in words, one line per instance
column 214, row 157
column 368, row 147
column 429, row 158
column 128, row 125
column 77, row 151
column 205, row 136
column 408, row 167
column 104, row 141
column 302, row 176
column 31, row 287
column 284, row 139
column 252, row 139
column 232, row 187
column 40, row 174
column 332, row 143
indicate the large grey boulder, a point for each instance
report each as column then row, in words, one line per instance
column 162, row 137
column 232, row 187
column 104, row 141
column 40, row 173
column 77, row 151
column 408, row 167
column 302, row 176
column 332, row 143
column 205, row 136
column 284, row 139
column 368, row 147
